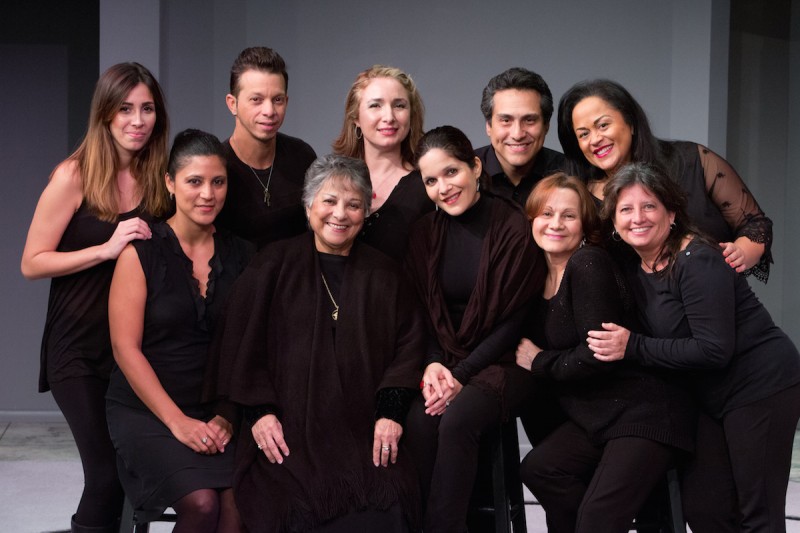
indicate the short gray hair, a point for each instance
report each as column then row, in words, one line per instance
column 337, row 166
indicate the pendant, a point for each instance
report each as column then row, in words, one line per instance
column 335, row 314
column 266, row 197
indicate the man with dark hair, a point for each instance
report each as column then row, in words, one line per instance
column 517, row 105
column 266, row 169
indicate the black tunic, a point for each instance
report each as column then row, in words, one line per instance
column 155, row 468
column 76, row 341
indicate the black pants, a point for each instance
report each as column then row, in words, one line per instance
column 588, row 488
column 445, row 450
column 737, row 480
column 83, row 402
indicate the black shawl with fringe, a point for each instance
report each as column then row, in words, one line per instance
column 275, row 347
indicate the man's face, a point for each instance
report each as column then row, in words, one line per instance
column 516, row 129
column 260, row 106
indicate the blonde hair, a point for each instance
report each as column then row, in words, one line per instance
column 97, row 156
column 347, row 143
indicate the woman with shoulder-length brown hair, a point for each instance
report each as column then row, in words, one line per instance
column 703, row 320
column 97, row 201
column 383, row 123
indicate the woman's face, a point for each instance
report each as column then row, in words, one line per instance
column 449, row 182
column 200, row 187
column 336, row 216
column 642, row 221
column 134, row 121
column 558, row 229
column 603, row 135
column 384, row 114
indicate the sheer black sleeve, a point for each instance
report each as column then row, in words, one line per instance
column 738, row 206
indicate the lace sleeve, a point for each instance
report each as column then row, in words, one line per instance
column 738, row 206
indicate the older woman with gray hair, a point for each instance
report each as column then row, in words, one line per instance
column 321, row 348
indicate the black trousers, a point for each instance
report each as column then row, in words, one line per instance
column 445, row 450
column 586, row 488
column 737, row 480
column 83, row 402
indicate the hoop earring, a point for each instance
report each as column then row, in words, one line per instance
column 615, row 236
column 359, row 134
column 672, row 226
column 171, row 196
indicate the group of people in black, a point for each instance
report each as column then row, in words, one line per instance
column 267, row 341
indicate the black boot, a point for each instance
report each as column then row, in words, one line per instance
column 78, row 528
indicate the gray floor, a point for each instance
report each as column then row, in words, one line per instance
column 40, row 481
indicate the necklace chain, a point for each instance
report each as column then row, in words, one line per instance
column 335, row 313
column 269, row 177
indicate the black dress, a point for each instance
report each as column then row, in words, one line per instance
column 155, row 468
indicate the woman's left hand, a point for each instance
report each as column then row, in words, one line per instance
column 609, row 344
column 385, row 440
column 223, row 431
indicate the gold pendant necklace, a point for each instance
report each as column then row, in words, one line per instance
column 335, row 313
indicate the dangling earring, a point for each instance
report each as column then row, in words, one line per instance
column 583, row 242
column 615, row 236
column 359, row 134
column 478, row 185
column 171, row 196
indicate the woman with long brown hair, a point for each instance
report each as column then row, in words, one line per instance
column 97, row 201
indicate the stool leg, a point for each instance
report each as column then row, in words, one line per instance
column 502, row 511
column 677, row 522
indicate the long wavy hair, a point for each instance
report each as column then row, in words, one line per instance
column 97, row 156
column 349, row 144
column 645, row 147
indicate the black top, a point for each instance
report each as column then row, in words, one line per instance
column 607, row 400
column 76, row 341
column 246, row 214
column 458, row 272
column 706, row 319
column 387, row 228
column 178, row 321
column 547, row 162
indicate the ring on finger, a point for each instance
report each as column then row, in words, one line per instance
column 259, row 446
column 204, row 440
column 386, row 448
column 447, row 403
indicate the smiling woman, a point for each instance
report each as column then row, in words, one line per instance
column 164, row 301
column 383, row 122
column 475, row 268
column 321, row 347
column 97, row 201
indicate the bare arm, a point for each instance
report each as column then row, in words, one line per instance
column 57, row 205
column 126, row 323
